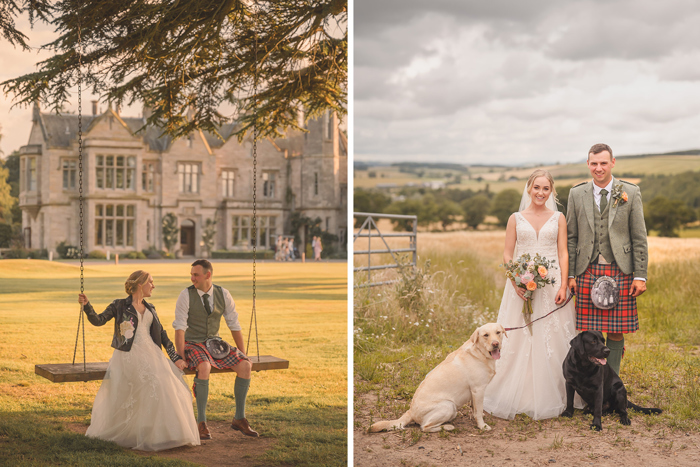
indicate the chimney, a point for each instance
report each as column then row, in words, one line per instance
column 94, row 108
column 36, row 111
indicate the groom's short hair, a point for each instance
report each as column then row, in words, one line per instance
column 206, row 265
column 598, row 148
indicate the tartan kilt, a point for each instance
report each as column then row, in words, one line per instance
column 196, row 352
column 622, row 318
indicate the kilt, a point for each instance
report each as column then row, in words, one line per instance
column 621, row 319
column 196, row 352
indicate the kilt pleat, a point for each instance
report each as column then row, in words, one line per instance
column 621, row 319
column 196, row 352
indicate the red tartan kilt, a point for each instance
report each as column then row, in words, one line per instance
column 196, row 352
column 621, row 319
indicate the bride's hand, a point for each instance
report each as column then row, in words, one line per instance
column 519, row 290
column 561, row 295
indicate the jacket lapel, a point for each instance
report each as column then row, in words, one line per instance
column 589, row 204
column 613, row 207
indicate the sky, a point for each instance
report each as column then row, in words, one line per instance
column 16, row 122
column 522, row 82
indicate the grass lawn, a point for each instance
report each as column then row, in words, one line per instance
column 301, row 316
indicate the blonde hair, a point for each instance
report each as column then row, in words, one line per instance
column 135, row 280
column 542, row 173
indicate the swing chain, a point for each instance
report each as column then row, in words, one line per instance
column 81, row 319
column 253, row 316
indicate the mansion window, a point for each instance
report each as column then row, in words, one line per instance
column 31, row 174
column 243, row 231
column 115, row 172
column 69, row 171
column 148, row 175
column 228, row 178
column 114, row 224
column 315, row 183
column 188, row 177
column 268, row 184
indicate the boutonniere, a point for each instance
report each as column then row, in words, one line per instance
column 618, row 194
column 126, row 328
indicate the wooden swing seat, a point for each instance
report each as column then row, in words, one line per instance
column 72, row 372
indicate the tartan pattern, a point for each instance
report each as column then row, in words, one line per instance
column 621, row 319
column 196, row 352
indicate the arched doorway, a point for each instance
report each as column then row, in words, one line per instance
column 187, row 237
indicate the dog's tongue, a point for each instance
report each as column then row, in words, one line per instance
column 495, row 354
column 602, row 361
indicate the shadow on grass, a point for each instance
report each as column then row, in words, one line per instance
column 34, row 439
column 306, row 433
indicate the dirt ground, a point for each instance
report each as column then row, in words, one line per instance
column 550, row 442
column 226, row 448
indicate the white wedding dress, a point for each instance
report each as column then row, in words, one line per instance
column 529, row 376
column 144, row 402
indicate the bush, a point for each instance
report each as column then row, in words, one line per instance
column 67, row 251
column 135, row 255
column 6, row 234
column 247, row 254
column 97, row 254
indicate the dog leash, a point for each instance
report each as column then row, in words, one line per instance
column 558, row 308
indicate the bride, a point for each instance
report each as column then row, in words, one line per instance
column 529, row 376
column 144, row 402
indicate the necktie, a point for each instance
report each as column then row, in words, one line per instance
column 603, row 199
column 205, row 297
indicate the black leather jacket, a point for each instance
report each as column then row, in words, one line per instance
column 125, row 324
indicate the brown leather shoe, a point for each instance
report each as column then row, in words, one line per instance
column 242, row 426
column 203, row 431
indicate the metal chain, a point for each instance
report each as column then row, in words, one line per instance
column 81, row 319
column 253, row 316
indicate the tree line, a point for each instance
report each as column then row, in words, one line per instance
column 670, row 202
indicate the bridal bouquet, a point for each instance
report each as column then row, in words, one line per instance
column 530, row 274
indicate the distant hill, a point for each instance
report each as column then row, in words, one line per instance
column 690, row 152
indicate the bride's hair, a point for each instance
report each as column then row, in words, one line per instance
column 135, row 280
column 542, row 173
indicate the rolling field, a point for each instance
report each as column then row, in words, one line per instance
column 497, row 177
column 301, row 316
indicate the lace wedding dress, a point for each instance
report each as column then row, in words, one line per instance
column 529, row 376
column 144, row 402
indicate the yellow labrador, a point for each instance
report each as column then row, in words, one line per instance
column 462, row 377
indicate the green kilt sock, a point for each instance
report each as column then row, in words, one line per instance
column 615, row 357
column 201, row 397
column 240, row 392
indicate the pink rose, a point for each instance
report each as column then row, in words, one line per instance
column 528, row 277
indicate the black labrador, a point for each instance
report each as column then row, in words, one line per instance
column 586, row 372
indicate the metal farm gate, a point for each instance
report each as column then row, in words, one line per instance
column 369, row 230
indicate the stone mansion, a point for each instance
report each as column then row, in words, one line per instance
column 132, row 179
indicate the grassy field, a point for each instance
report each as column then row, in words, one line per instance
column 301, row 315
column 401, row 332
column 498, row 177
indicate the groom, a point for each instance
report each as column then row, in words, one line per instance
column 607, row 237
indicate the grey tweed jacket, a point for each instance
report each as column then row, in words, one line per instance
column 628, row 233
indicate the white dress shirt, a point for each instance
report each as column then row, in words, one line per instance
column 182, row 308
column 597, row 195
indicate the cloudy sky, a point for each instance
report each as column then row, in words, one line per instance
column 524, row 81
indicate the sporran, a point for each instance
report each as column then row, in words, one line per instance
column 217, row 347
column 605, row 293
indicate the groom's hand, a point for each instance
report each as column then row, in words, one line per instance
column 638, row 288
column 572, row 285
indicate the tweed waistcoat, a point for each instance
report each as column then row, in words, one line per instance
column 601, row 235
column 201, row 326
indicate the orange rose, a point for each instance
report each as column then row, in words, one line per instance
column 543, row 271
column 532, row 285
column 624, row 196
